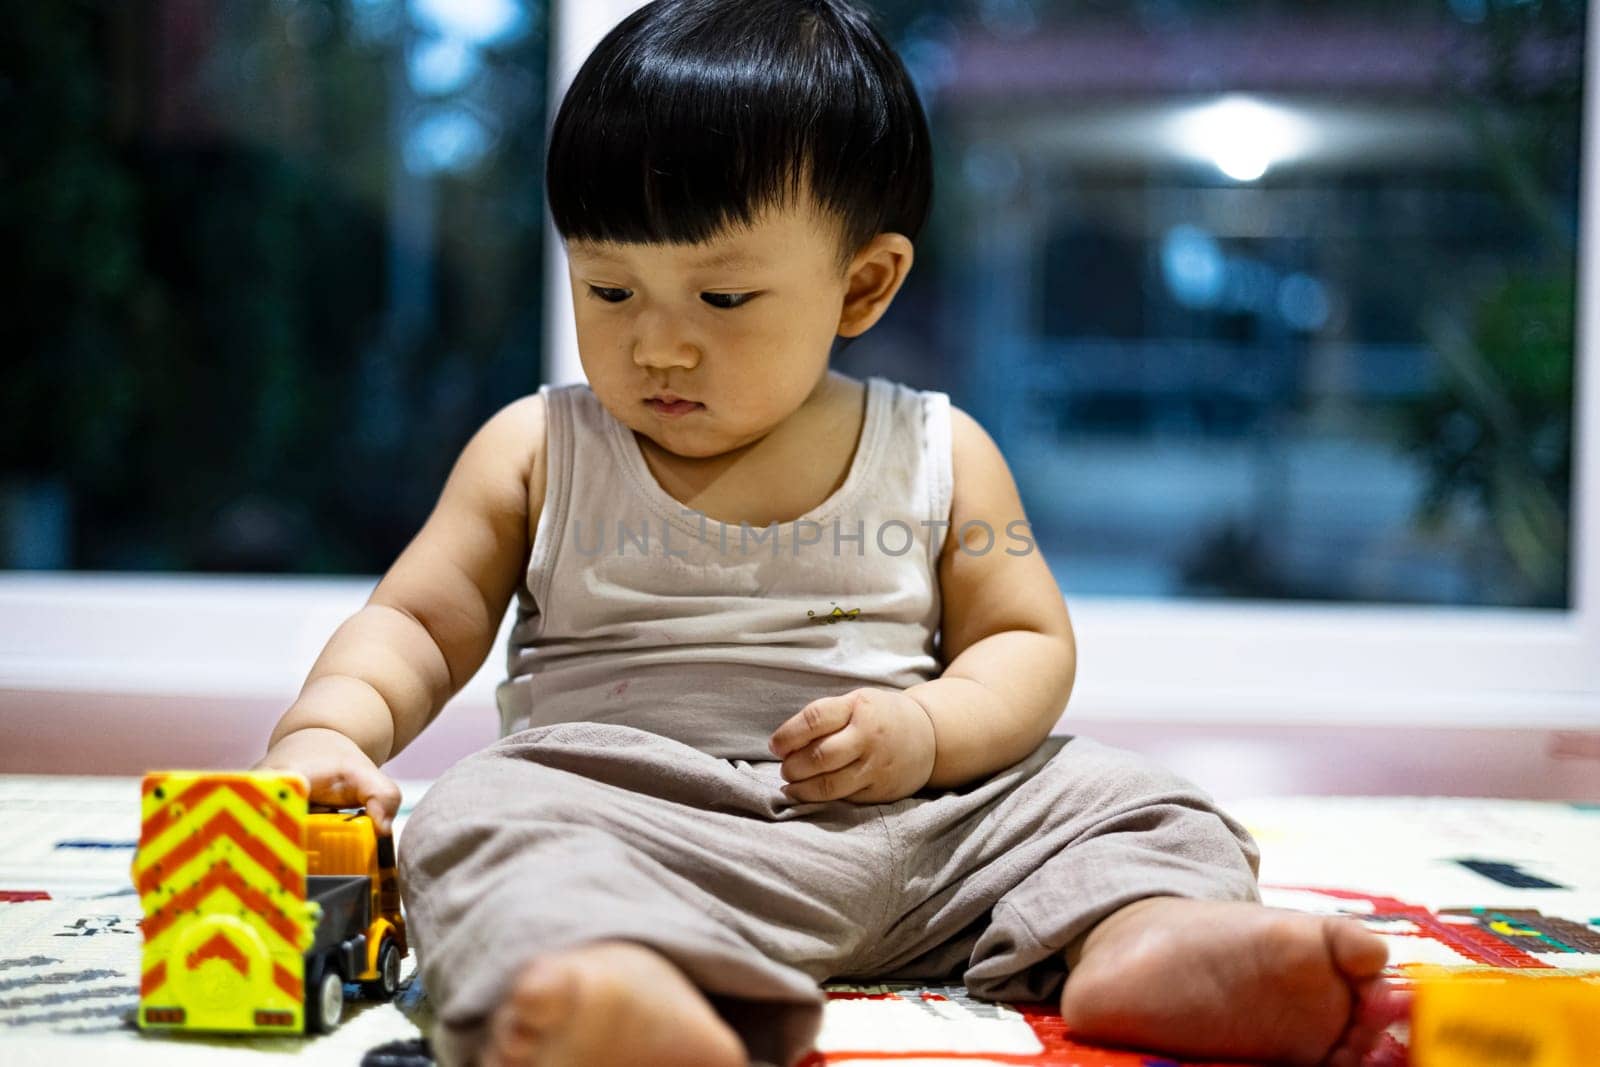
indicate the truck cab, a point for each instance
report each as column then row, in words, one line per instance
column 360, row 936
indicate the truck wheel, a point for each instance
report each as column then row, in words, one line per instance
column 324, row 1001
column 387, row 983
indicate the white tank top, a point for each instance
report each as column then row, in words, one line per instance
column 639, row 610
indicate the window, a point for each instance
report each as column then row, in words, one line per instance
column 1273, row 307
column 275, row 253
column 1270, row 301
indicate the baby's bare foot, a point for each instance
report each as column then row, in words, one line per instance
column 608, row 1003
column 1230, row 980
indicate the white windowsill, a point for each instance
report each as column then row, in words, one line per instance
column 254, row 639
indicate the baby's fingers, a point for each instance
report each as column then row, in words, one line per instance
column 346, row 786
column 369, row 788
column 383, row 804
column 834, row 785
column 831, row 752
column 816, row 719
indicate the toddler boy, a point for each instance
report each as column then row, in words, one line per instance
column 786, row 658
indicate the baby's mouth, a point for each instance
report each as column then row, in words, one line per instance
column 676, row 406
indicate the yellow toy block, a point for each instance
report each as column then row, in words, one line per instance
column 1483, row 1020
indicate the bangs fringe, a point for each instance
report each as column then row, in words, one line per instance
column 692, row 118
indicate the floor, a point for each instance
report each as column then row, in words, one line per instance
column 1453, row 885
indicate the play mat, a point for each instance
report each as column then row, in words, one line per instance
column 1455, row 883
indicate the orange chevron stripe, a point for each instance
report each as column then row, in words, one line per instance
column 153, row 979
column 163, row 818
column 286, row 981
column 218, row 947
column 223, row 824
column 225, row 878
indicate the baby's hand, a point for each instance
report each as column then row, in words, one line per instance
column 868, row 745
column 339, row 773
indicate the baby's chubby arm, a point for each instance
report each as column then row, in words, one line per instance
column 1007, row 642
column 390, row 668
column 1005, row 634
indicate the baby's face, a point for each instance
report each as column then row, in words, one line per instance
column 742, row 324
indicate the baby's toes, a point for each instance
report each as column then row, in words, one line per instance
column 1357, row 952
column 1378, row 1006
column 538, row 998
column 511, row 1043
column 1385, row 1003
column 1352, row 1050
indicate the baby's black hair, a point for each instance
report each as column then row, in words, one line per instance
column 692, row 117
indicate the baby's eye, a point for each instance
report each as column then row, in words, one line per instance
column 610, row 296
column 727, row 300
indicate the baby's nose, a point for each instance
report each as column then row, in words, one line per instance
column 660, row 340
column 665, row 351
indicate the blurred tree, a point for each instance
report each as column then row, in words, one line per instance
column 1496, row 436
column 212, row 280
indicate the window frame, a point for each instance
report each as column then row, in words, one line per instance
column 239, row 640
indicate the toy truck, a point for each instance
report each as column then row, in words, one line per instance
column 257, row 912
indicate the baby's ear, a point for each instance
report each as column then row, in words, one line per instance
column 873, row 278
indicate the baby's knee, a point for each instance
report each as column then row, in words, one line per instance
column 495, row 795
column 1121, row 776
column 469, row 799
column 1120, row 788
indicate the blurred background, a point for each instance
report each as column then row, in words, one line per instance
column 1271, row 305
column 271, row 263
column 1267, row 299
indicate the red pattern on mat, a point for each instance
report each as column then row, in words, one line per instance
column 1474, row 942
column 1060, row 1050
column 1477, row 944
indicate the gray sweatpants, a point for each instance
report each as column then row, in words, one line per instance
column 580, row 831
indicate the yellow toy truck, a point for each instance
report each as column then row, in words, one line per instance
column 257, row 912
